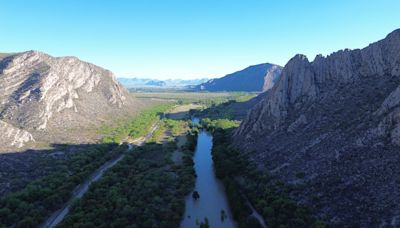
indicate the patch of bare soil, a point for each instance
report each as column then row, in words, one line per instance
column 182, row 111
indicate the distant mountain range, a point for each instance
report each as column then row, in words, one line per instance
column 169, row 83
column 257, row 78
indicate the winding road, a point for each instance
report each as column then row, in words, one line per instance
column 255, row 214
column 81, row 189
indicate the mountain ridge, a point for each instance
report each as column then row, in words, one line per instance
column 255, row 78
column 42, row 95
column 336, row 120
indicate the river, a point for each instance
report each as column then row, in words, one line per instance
column 211, row 190
column 212, row 193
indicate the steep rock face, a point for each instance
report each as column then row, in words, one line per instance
column 40, row 94
column 257, row 78
column 336, row 119
column 271, row 77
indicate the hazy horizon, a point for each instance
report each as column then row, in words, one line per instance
column 163, row 79
column 191, row 39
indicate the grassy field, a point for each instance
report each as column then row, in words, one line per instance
column 182, row 96
column 194, row 96
column 177, row 95
column 182, row 111
column 135, row 127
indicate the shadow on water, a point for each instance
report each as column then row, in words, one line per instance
column 212, row 203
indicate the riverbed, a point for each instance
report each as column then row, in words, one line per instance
column 213, row 203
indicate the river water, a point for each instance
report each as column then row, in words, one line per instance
column 212, row 193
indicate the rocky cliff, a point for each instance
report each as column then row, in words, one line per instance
column 43, row 97
column 257, row 78
column 336, row 121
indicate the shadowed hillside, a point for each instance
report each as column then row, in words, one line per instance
column 330, row 129
column 257, row 78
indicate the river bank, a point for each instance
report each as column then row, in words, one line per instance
column 213, row 204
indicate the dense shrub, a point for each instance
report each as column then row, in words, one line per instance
column 270, row 198
column 30, row 206
column 143, row 190
column 138, row 126
column 212, row 125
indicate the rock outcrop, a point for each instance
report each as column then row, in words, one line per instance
column 13, row 137
column 42, row 96
column 336, row 119
column 257, row 78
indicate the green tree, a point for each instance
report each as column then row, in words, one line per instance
column 195, row 195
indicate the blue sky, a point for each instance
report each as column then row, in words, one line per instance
column 192, row 39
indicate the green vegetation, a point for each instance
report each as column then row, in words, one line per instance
column 207, row 98
column 212, row 125
column 145, row 189
column 156, row 90
column 138, row 126
column 243, row 180
column 204, row 224
column 195, row 195
column 233, row 108
column 222, row 111
column 30, row 206
column 158, row 133
column 174, row 128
